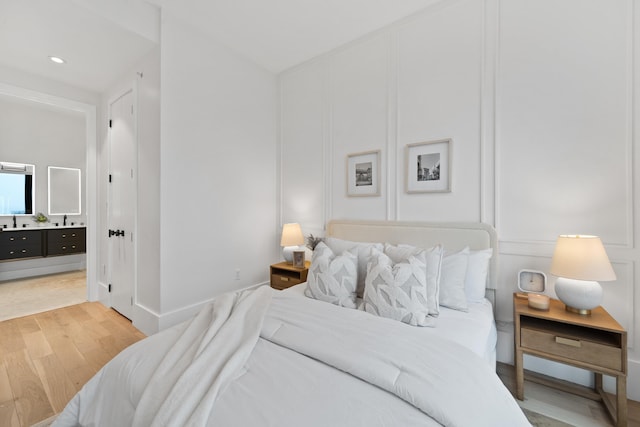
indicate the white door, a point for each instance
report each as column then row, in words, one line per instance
column 122, row 204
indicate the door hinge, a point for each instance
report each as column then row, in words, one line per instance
column 110, row 123
column 109, row 177
column 109, row 287
column 131, row 300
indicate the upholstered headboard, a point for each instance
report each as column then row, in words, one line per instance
column 451, row 235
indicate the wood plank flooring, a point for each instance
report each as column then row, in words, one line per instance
column 47, row 357
column 569, row 408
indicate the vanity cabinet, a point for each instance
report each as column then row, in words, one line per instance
column 20, row 244
column 66, row 241
column 34, row 243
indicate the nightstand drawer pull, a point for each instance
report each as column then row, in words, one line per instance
column 567, row 341
column 284, row 279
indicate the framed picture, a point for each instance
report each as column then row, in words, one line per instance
column 363, row 174
column 429, row 167
column 298, row 259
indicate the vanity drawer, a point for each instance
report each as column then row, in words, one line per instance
column 574, row 347
column 20, row 244
column 66, row 241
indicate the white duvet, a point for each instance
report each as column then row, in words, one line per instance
column 269, row 358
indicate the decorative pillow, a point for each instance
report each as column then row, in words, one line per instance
column 332, row 278
column 475, row 281
column 397, row 291
column 433, row 258
column 338, row 246
column 452, row 277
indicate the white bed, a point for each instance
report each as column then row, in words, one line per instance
column 271, row 358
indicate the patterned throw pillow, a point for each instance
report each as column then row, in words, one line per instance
column 433, row 259
column 363, row 251
column 397, row 291
column 332, row 278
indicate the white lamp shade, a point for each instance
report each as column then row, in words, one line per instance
column 581, row 257
column 291, row 239
column 291, row 235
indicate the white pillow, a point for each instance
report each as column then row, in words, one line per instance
column 397, row 291
column 475, row 281
column 332, row 278
column 338, row 246
column 433, row 263
column 452, row 277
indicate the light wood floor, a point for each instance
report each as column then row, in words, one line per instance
column 569, row 408
column 47, row 357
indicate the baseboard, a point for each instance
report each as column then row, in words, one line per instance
column 35, row 270
column 149, row 322
column 180, row 315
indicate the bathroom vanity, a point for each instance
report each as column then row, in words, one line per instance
column 21, row 243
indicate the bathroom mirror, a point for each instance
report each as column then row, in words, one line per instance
column 64, row 191
column 17, row 189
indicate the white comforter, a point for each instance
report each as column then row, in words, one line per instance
column 207, row 372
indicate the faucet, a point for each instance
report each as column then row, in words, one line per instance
column 14, row 222
column 64, row 220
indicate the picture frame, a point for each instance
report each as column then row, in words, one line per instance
column 363, row 174
column 298, row 259
column 428, row 166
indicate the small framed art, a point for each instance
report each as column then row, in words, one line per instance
column 298, row 259
column 429, row 167
column 363, row 174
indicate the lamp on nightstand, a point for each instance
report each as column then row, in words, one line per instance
column 291, row 240
column 580, row 261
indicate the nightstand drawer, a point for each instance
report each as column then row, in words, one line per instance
column 280, row 281
column 571, row 347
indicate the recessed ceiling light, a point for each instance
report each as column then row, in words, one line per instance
column 57, row 60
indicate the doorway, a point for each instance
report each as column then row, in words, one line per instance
column 89, row 113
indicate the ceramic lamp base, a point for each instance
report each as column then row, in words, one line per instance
column 287, row 253
column 579, row 296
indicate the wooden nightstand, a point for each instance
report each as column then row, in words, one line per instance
column 285, row 275
column 595, row 342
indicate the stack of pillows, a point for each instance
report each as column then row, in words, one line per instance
column 402, row 282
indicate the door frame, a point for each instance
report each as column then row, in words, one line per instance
column 133, row 88
column 91, row 181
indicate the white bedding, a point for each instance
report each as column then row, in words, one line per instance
column 294, row 376
column 474, row 329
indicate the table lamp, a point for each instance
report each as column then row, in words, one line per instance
column 580, row 261
column 291, row 240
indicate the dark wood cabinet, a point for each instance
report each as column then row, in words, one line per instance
column 37, row 243
column 66, row 241
column 20, row 244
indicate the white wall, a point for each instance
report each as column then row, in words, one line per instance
column 218, row 163
column 537, row 97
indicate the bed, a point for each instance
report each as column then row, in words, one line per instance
column 263, row 357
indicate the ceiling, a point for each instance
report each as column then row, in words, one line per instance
column 101, row 40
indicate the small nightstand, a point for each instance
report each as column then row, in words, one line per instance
column 285, row 275
column 595, row 342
